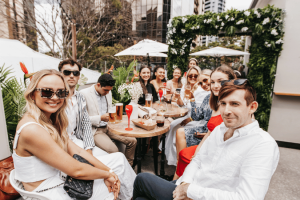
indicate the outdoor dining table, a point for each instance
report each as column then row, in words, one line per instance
column 172, row 110
column 139, row 133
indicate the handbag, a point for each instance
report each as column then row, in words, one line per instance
column 7, row 192
column 79, row 189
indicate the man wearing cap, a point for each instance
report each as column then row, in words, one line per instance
column 99, row 99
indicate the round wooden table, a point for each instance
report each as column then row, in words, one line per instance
column 139, row 133
column 172, row 110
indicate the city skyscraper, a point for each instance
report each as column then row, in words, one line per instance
column 149, row 21
column 215, row 6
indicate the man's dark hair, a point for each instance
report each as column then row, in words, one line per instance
column 106, row 80
column 69, row 61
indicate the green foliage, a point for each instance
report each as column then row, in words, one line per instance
column 121, row 74
column 266, row 27
column 13, row 101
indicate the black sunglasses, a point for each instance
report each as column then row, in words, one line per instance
column 48, row 93
column 68, row 72
column 235, row 82
column 193, row 76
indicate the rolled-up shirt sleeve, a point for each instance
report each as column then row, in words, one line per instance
column 254, row 179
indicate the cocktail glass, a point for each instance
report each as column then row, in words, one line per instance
column 128, row 110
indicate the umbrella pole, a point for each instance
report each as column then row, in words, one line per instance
column 148, row 59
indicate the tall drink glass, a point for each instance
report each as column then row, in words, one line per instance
column 119, row 111
column 148, row 100
column 112, row 114
column 128, row 110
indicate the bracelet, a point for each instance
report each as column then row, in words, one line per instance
column 191, row 119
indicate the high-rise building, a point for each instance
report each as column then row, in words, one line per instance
column 215, row 6
column 149, row 21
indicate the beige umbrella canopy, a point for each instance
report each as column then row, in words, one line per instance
column 219, row 52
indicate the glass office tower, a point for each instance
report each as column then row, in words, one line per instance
column 149, row 21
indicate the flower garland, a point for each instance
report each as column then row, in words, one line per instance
column 264, row 25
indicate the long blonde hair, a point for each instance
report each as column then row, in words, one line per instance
column 58, row 127
column 188, row 72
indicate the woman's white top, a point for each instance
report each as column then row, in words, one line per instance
column 30, row 169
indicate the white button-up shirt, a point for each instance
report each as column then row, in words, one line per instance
column 72, row 112
column 238, row 168
column 102, row 104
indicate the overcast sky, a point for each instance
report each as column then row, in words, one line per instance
column 237, row 4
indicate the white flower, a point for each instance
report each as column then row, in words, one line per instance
column 274, row 32
column 209, row 20
column 280, row 21
column 279, row 41
column 244, row 29
column 247, row 13
column 184, row 19
column 232, row 19
column 276, row 19
column 171, row 42
column 173, row 51
column 198, row 27
column 267, row 44
column 240, row 22
column 174, row 66
column 216, row 26
column 205, row 21
column 218, row 18
column 266, row 20
column 193, row 28
column 174, row 30
column 222, row 24
column 226, row 17
column 181, row 52
column 180, row 41
column 183, row 31
column 221, row 27
column 257, row 14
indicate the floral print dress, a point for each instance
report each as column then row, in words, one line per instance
column 202, row 113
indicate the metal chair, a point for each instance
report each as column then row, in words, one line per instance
column 26, row 195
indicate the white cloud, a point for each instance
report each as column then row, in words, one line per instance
column 238, row 4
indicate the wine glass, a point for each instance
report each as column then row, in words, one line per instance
column 128, row 110
column 187, row 94
column 160, row 92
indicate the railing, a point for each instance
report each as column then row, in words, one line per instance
column 287, row 94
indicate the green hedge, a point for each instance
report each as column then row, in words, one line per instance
column 264, row 25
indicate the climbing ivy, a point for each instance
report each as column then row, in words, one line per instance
column 264, row 25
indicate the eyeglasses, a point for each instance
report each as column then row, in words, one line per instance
column 193, row 76
column 68, row 72
column 48, row 93
column 235, row 82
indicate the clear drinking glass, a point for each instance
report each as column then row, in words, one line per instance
column 112, row 114
column 148, row 100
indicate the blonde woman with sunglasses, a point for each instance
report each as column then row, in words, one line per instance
column 199, row 94
column 42, row 147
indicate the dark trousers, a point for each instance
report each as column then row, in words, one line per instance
column 150, row 187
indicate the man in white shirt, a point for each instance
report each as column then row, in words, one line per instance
column 236, row 161
column 80, row 127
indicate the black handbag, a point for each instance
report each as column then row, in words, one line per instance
column 79, row 189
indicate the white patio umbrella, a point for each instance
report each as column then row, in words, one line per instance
column 144, row 47
column 219, row 52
